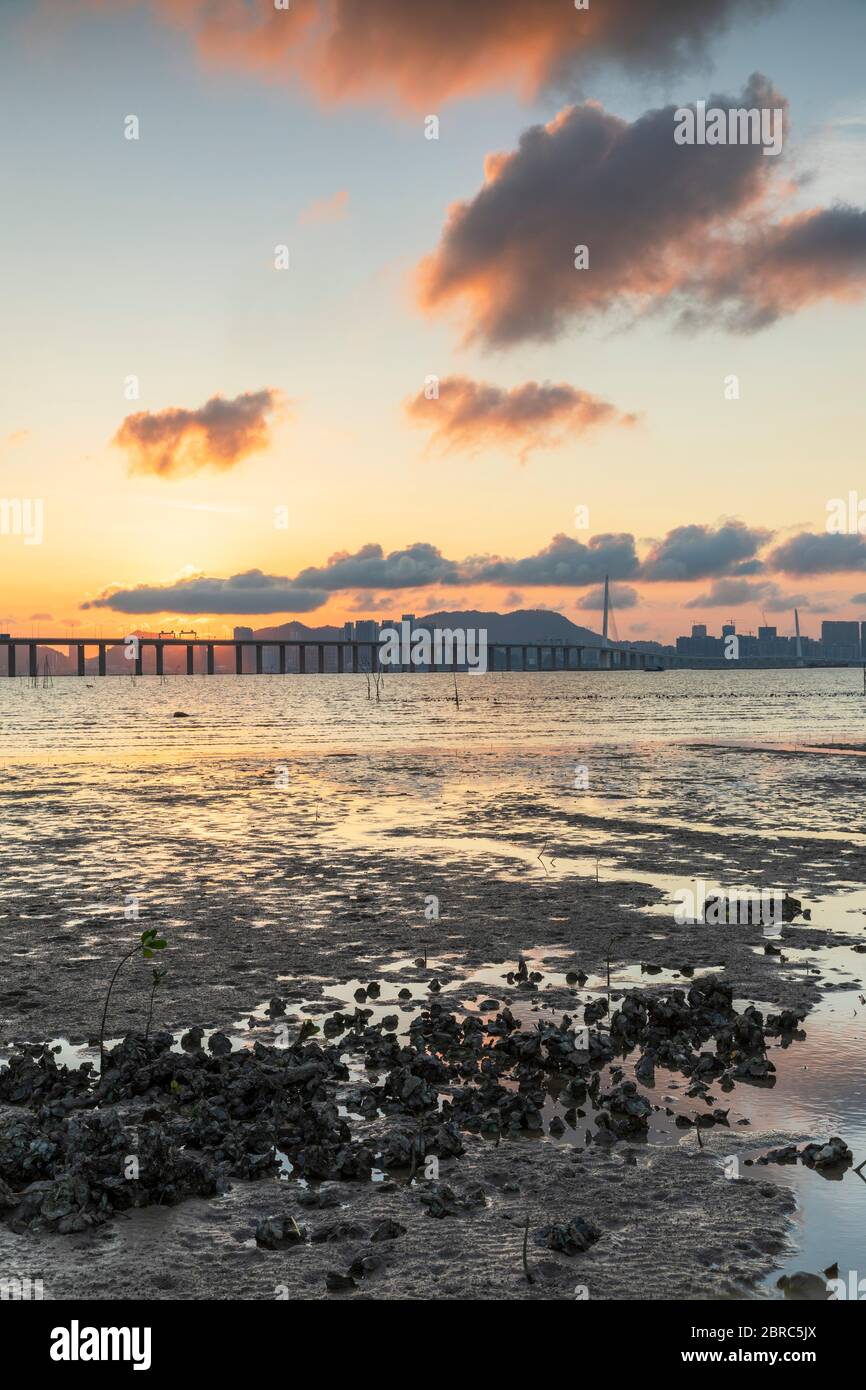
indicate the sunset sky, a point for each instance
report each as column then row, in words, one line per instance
column 281, row 459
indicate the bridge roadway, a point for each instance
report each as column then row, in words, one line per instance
column 351, row 656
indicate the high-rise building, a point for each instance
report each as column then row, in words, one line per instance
column 835, row 631
column 348, row 632
column 699, row 630
column 840, row 640
column 243, row 634
column 366, row 630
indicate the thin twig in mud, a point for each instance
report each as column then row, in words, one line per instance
column 456, row 696
column 158, row 977
column 530, row 1277
column 414, row 1165
column 609, row 944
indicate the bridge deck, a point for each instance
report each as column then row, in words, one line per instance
column 351, row 655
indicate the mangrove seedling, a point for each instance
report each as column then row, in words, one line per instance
column 149, row 942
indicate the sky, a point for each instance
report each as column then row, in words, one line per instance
column 272, row 352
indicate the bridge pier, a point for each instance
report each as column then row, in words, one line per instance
column 190, row 659
column 101, row 664
column 210, row 659
column 302, row 660
column 321, row 658
column 80, row 650
column 160, row 668
column 239, row 659
column 259, row 658
column 282, row 658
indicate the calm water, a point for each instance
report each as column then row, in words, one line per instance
column 92, row 717
column 95, row 775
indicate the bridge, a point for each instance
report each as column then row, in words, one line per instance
column 304, row 657
column 351, row 655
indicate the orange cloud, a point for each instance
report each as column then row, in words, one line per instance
column 16, row 437
column 425, row 53
column 326, row 209
column 218, row 435
column 473, row 414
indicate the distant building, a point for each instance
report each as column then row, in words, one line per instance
column 841, row 640
column 367, row 630
column 699, row 644
column 243, row 634
column 771, row 644
column 348, row 632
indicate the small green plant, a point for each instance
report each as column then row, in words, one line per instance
column 148, row 943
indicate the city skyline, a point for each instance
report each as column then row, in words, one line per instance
column 389, row 421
